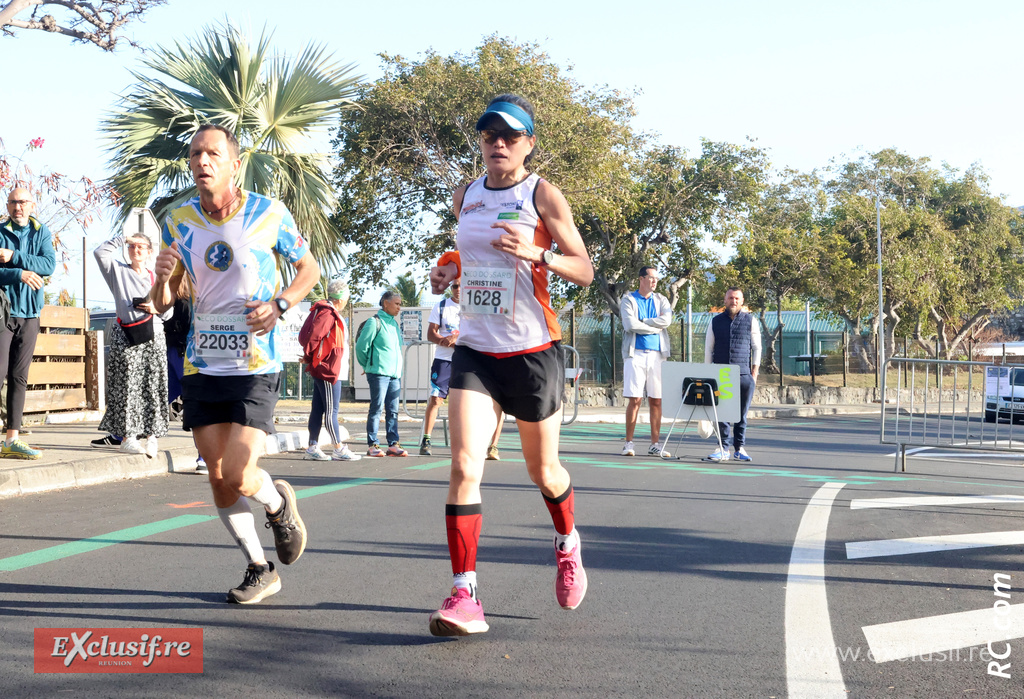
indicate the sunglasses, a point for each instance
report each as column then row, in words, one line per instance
column 509, row 136
column 455, row 286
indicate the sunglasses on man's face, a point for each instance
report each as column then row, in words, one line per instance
column 509, row 136
column 455, row 286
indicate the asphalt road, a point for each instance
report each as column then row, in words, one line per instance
column 689, row 566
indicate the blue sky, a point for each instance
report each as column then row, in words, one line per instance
column 810, row 81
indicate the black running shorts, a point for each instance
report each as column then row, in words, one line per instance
column 245, row 400
column 527, row 386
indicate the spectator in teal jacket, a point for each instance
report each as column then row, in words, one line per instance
column 26, row 256
column 379, row 352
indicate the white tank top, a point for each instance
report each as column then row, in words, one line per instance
column 505, row 307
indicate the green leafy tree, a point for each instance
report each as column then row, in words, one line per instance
column 950, row 252
column 412, row 294
column 779, row 253
column 273, row 103
column 413, row 142
column 673, row 202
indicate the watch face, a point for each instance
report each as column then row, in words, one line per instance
column 547, row 256
column 282, row 305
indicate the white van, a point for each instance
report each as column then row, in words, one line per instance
column 1004, row 393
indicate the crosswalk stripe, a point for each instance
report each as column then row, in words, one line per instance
column 927, row 544
column 934, row 500
column 936, row 634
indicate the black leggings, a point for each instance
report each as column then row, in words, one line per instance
column 16, row 347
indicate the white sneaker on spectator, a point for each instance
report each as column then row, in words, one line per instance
column 345, row 454
column 741, row 455
column 201, row 466
column 315, row 453
column 628, row 450
column 656, row 450
column 719, row 455
column 131, row 445
column 152, row 448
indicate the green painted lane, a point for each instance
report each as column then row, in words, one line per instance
column 73, row 548
column 332, row 487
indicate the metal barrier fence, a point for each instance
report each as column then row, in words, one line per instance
column 952, row 405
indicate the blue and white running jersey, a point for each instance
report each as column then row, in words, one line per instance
column 231, row 262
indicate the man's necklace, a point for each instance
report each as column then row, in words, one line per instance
column 234, row 198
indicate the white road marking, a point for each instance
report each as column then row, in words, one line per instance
column 927, row 544
column 812, row 664
column 935, row 500
column 935, row 634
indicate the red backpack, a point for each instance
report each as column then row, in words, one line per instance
column 321, row 338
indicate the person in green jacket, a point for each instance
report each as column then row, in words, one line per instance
column 379, row 352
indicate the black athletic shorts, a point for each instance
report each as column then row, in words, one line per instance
column 246, row 400
column 528, row 387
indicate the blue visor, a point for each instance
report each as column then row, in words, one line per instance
column 513, row 115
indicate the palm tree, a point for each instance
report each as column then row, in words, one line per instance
column 273, row 104
column 411, row 293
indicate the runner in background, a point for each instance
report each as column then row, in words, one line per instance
column 443, row 330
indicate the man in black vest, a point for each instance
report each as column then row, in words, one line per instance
column 734, row 337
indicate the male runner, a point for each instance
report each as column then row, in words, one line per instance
column 227, row 240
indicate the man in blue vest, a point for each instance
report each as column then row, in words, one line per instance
column 646, row 316
column 26, row 257
column 734, row 337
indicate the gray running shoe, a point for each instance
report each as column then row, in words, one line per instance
column 260, row 582
column 289, row 530
column 425, row 447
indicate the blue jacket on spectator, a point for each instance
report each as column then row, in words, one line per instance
column 33, row 250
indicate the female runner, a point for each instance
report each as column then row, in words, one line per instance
column 508, row 353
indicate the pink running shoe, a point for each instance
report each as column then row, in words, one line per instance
column 460, row 615
column 571, row 579
column 375, row 450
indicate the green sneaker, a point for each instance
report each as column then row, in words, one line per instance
column 19, row 450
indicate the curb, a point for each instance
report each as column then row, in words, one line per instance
column 26, row 480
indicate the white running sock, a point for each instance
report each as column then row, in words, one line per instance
column 267, row 495
column 467, row 581
column 567, row 542
column 242, row 525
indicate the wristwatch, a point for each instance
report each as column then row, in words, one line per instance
column 282, row 305
column 546, row 258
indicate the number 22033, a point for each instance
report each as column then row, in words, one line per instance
column 220, row 341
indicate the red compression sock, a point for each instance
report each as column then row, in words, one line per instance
column 463, row 523
column 562, row 511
